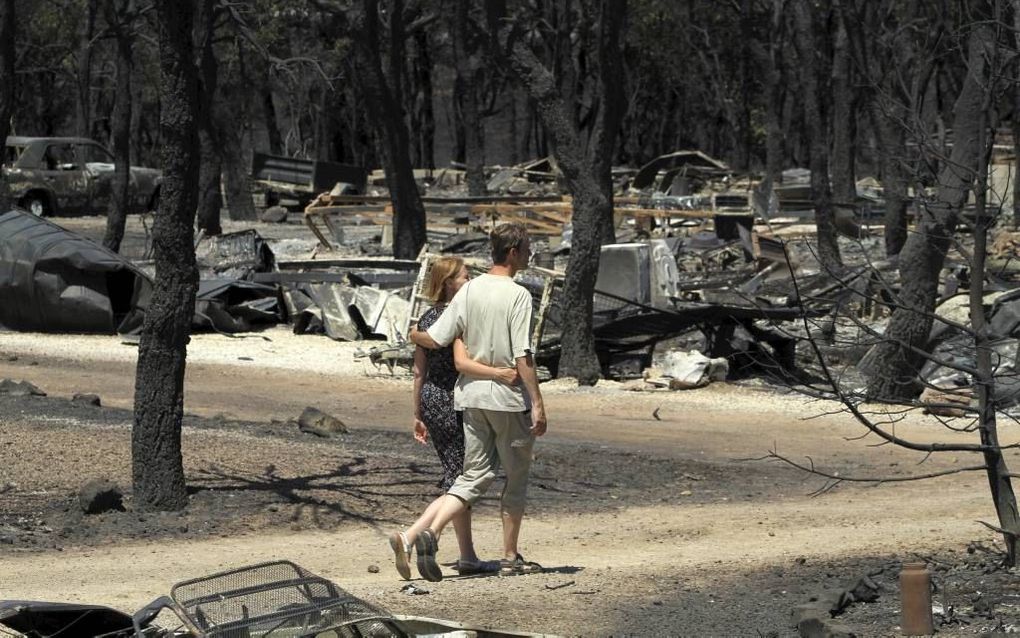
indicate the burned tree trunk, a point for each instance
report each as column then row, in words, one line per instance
column 892, row 149
column 612, row 14
column 844, row 121
column 237, row 183
column 137, row 111
column 209, row 199
column 590, row 205
column 7, row 84
column 893, row 364
column 1016, row 117
column 157, row 465
column 772, row 61
column 232, row 117
column 466, row 64
column 119, row 19
column 886, row 110
column 85, row 46
column 269, row 117
column 815, row 63
column 236, row 152
column 474, row 141
column 1016, row 151
column 744, row 130
column 513, row 129
column 996, row 470
column 384, row 98
column 422, row 69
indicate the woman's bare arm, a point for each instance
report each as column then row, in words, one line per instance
column 466, row 365
column 421, row 368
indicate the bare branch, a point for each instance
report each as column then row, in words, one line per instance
column 810, row 469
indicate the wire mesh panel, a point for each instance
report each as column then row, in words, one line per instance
column 605, row 308
column 276, row 600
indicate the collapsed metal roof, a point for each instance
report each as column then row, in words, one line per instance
column 53, row 280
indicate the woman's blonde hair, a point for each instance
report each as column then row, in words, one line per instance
column 443, row 269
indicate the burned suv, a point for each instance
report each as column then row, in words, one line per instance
column 71, row 175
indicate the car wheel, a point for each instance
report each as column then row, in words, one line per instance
column 36, row 205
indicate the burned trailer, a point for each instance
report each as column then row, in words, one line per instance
column 53, row 280
column 626, row 333
column 641, row 300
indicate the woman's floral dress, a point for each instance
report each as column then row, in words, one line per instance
column 444, row 424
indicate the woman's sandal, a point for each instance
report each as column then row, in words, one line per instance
column 518, row 566
column 425, row 547
column 401, row 554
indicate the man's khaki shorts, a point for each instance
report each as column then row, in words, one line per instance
column 492, row 438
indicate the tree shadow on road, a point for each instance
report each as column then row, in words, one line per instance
column 364, row 489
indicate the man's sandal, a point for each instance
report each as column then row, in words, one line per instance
column 401, row 554
column 518, row 566
column 472, row 568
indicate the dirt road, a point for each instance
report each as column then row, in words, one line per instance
column 704, row 545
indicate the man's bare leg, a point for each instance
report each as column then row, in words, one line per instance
column 465, row 541
column 511, row 533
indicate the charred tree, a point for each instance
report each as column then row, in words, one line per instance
column 1016, row 117
column 844, row 120
column 86, row 34
column 590, row 204
column 772, row 61
column 610, row 106
column 120, row 16
column 421, row 71
column 886, row 106
column 747, row 86
column 384, row 97
column 996, row 470
column 969, row 407
column 511, row 103
column 815, row 64
column 269, row 118
column 467, row 66
column 362, row 146
column 157, row 464
column 232, row 121
column 137, row 110
column 8, row 22
column 209, row 199
column 892, row 150
column 892, row 365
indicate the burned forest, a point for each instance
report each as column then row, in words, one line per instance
column 728, row 293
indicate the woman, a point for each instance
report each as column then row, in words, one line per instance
column 435, row 418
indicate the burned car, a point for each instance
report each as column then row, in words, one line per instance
column 71, row 175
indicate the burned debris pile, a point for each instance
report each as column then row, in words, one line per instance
column 711, row 277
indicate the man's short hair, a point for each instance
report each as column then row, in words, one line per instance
column 504, row 237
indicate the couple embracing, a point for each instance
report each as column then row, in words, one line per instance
column 487, row 416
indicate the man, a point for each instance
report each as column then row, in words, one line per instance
column 492, row 314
